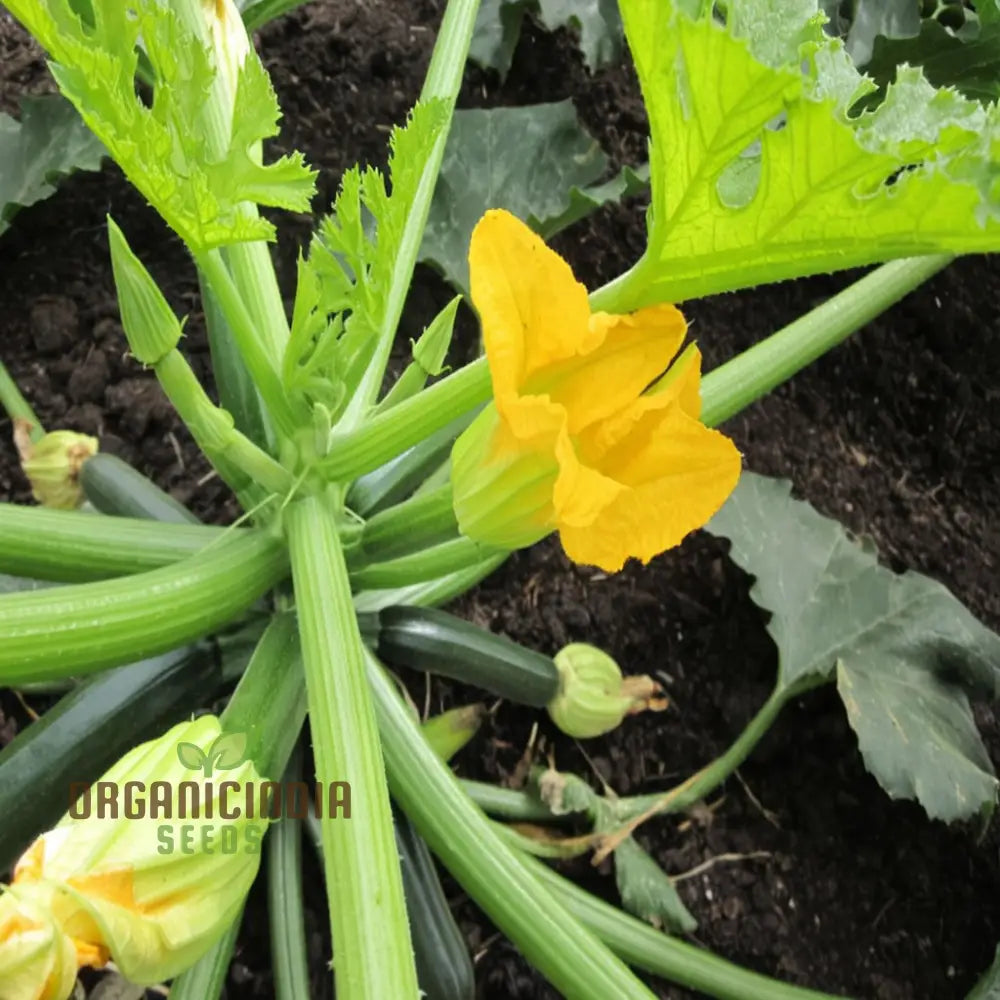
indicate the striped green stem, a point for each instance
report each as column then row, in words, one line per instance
column 428, row 564
column 64, row 631
column 744, row 379
column 238, row 460
column 420, row 521
column 374, row 958
column 430, row 592
column 390, row 433
column 571, row 958
column 71, row 546
column 285, row 905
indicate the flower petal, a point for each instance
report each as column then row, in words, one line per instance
column 581, row 492
column 633, row 351
column 533, row 311
column 675, row 474
column 681, row 385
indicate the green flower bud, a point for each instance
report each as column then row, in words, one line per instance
column 150, row 325
column 157, row 879
column 593, row 697
column 53, row 464
column 37, row 960
column 230, row 44
column 502, row 495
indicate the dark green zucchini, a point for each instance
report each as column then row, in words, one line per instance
column 88, row 729
column 440, row 643
column 114, row 487
column 444, row 969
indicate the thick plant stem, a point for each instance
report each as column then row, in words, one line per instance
column 422, row 520
column 430, row 592
column 371, row 943
column 463, row 839
column 429, row 564
column 392, row 432
column 649, row 949
column 744, row 379
column 16, row 406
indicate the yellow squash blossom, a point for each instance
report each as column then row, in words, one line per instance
column 592, row 432
column 151, row 888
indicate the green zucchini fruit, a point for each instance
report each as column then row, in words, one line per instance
column 88, row 729
column 114, row 487
column 440, row 643
column 444, row 969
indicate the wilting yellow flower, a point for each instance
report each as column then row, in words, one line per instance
column 53, row 464
column 152, row 887
column 37, row 960
column 589, row 433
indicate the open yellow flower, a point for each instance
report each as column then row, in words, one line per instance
column 592, row 431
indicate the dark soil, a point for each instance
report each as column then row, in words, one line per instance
column 894, row 433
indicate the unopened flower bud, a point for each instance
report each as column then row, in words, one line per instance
column 53, row 464
column 593, row 696
column 230, row 45
column 502, row 495
column 156, row 881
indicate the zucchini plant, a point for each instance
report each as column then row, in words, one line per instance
column 587, row 416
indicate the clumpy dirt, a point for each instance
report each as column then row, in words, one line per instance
column 894, row 433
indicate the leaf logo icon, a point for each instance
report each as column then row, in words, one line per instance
column 226, row 753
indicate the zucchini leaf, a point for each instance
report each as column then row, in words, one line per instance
column 824, row 190
column 596, row 24
column 906, row 654
column 163, row 146
column 343, row 284
column 538, row 162
column 49, row 142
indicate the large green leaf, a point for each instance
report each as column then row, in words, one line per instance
column 972, row 64
column 904, row 649
column 917, row 175
column 49, row 142
column 537, row 162
column 495, row 36
column 596, row 24
column 885, row 18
